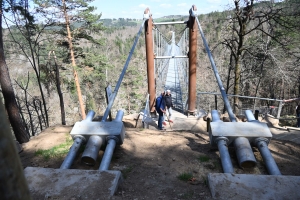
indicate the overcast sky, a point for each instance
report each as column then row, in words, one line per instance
column 158, row 8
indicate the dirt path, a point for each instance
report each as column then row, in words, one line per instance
column 154, row 162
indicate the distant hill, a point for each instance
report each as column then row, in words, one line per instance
column 122, row 22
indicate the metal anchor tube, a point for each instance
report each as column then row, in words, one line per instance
column 111, row 144
column 79, row 140
column 119, row 116
column 250, row 117
column 72, row 153
column 244, row 153
column 267, row 156
column 91, row 151
column 215, row 116
column 224, row 154
column 90, row 116
column 108, row 153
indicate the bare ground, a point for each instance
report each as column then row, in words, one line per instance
column 152, row 161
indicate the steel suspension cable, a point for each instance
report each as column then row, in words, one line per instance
column 222, row 89
column 114, row 94
column 163, row 64
column 181, row 62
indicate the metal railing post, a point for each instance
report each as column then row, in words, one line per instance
column 279, row 109
column 256, row 114
column 208, row 124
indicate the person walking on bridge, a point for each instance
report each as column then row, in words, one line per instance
column 169, row 105
column 160, row 107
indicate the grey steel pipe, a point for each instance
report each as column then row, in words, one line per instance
column 72, row 153
column 224, row 154
column 169, row 57
column 215, row 116
column 249, row 115
column 119, row 116
column 261, row 144
column 168, row 23
column 114, row 94
column 91, row 151
column 244, row 153
column 90, row 116
column 108, row 153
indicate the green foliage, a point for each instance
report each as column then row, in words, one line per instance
column 203, row 158
column 126, row 171
column 71, row 86
column 94, row 69
column 96, row 55
column 58, row 151
column 90, row 104
column 185, row 176
column 83, row 24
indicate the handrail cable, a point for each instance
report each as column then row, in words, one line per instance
column 114, row 94
column 240, row 96
column 165, row 37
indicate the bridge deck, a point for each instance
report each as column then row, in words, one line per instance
column 181, row 122
column 173, row 78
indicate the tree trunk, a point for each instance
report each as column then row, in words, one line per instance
column 13, row 183
column 22, row 116
column 61, row 99
column 237, row 73
column 9, row 96
column 83, row 115
column 228, row 77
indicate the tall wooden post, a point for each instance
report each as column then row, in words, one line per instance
column 150, row 60
column 81, row 104
column 192, row 62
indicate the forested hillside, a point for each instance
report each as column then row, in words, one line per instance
column 255, row 47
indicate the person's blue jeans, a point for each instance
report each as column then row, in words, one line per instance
column 160, row 119
column 298, row 120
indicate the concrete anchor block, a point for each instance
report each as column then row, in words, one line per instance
column 253, row 186
column 47, row 183
column 102, row 129
column 233, row 130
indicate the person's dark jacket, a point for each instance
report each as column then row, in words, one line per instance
column 298, row 110
column 168, row 100
column 160, row 104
